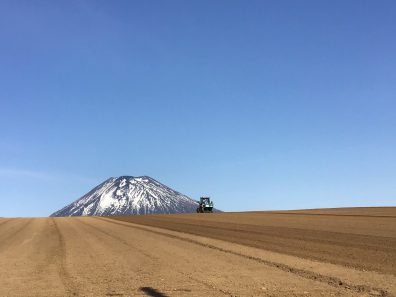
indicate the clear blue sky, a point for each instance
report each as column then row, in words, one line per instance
column 260, row 104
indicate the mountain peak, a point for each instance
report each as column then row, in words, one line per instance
column 126, row 195
column 132, row 177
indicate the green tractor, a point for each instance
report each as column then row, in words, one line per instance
column 205, row 205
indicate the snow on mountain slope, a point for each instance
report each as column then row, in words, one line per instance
column 127, row 195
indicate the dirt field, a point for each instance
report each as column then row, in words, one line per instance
column 347, row 252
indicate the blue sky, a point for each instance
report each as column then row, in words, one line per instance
column 260, row 104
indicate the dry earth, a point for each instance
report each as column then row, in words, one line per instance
column 329, row 252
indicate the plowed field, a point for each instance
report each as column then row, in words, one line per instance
column 330, row 252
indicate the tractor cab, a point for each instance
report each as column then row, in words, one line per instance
column 205, row 205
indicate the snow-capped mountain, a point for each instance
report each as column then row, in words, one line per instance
column 127, row 195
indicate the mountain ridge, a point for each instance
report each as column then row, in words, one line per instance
column 128, row 195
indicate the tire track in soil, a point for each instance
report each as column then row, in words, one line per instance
column 123, row 241
column 64, row 274
column 206, row 284
column 13, row 234
column 329, row 280
column 4, row 221
column 209, row 285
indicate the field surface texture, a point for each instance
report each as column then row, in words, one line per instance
column 329, row 252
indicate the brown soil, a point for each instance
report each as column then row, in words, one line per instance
column 363, row 238
column 107, row 257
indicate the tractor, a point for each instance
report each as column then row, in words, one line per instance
column 205, row 205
